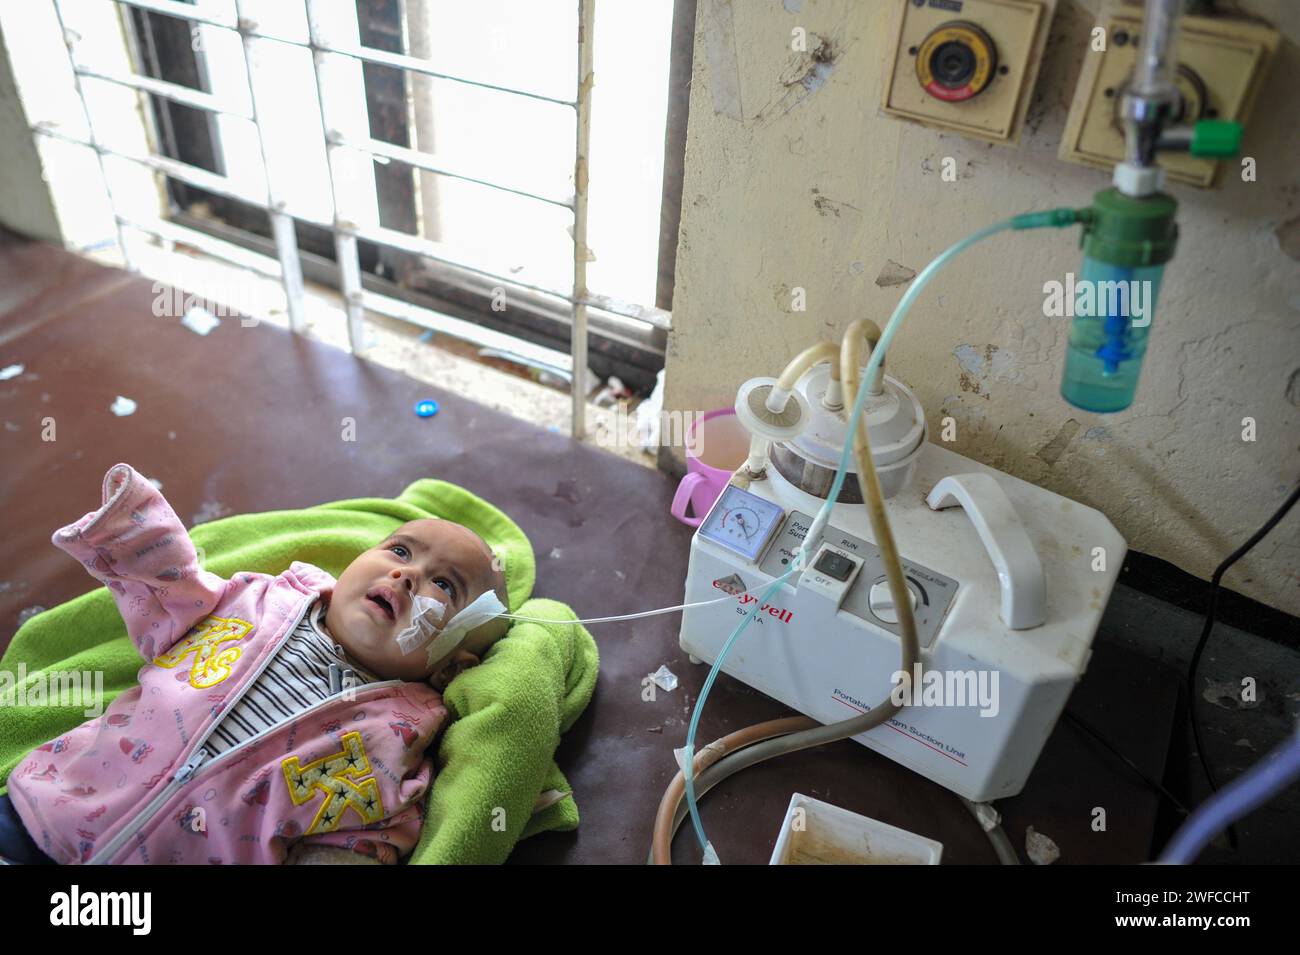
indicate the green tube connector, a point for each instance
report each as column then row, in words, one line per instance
column 1216, row 139
column 1052, row 218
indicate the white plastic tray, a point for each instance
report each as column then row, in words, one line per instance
column 817, row 833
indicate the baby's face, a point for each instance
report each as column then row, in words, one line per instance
column 434, row 558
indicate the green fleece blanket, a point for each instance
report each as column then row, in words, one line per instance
column 496, row 780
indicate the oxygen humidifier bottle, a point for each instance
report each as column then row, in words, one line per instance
column 1126, row 243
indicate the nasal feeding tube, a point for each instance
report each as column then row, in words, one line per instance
column 426, row 615
column 426, row 624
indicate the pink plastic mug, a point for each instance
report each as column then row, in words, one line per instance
column 716, row 445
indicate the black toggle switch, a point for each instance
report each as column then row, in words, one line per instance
column 834, row 565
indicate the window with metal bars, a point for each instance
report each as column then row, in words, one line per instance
column 409, row 251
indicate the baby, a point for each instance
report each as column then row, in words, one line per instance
column 274, row 714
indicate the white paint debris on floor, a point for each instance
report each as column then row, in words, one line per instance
column 1040, row 849
column 27, row 613
column 209, row 511
column 200, row 320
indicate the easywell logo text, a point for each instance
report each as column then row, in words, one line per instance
column 729, row 585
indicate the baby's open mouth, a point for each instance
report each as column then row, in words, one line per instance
column 385, row 600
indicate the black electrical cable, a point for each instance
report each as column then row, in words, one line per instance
column 1174, row 800
column 1205, row 637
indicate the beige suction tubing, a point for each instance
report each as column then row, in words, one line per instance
column 763, row 741
column 871, row 334
column 872, row 496
column 779, row 396
column 665, row 824
column 822, row 351
column 829, row 352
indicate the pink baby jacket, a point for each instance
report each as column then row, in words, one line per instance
column 136, row 785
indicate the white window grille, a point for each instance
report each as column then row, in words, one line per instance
column 249, row 118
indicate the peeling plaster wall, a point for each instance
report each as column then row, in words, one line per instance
column 794, row 180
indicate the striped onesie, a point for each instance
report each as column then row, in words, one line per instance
column 298, row 677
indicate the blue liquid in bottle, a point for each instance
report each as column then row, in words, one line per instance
column 1113, row 306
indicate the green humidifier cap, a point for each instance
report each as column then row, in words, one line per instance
column 1129, row 231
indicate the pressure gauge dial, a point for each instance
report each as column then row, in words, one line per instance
column 742, row 522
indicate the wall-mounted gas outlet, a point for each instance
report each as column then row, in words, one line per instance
column 966, row 65
column 1221, row 66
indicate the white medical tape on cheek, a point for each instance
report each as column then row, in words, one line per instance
column 426, row 615
column 484, row 607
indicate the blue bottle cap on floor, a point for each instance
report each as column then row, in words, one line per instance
column 426, row 408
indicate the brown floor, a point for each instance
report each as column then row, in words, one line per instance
column 247, row 419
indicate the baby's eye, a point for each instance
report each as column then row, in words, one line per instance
column 446, row 585
column 402, row 546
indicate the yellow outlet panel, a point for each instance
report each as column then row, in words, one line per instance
column 1221, row 67
column 966, row 65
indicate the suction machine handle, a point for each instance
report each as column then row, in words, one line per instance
column 1020, row 572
